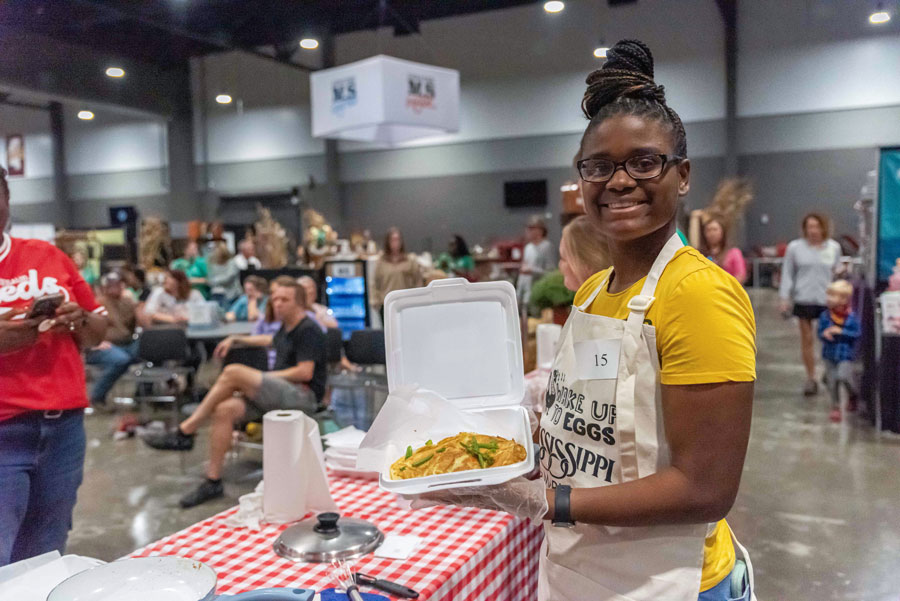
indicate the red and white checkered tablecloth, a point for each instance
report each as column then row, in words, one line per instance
column 465, row 553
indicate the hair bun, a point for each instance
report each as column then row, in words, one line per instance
column 627, row 73
column 630, row 55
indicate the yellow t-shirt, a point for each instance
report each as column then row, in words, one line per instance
column 705, row 333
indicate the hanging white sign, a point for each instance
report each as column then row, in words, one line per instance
column 384, row 100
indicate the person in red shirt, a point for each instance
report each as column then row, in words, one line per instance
column 42, row 392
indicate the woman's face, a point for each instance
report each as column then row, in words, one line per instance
column 713, row 233
column 250, row 290
column 622, row 208
column 570, row 277
column 79, row 259
column 191, row 251
column 396, row 242
column 813, row 230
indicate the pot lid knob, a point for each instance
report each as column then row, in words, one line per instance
column 327, row 523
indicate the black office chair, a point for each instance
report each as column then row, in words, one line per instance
column 366, row 347
column 163, row 353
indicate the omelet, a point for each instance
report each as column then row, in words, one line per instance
column 465, row 451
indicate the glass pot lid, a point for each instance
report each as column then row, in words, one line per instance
column 326, row 537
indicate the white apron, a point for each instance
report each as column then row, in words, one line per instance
column 602, row 426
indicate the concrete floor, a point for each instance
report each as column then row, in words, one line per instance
column 818, row 505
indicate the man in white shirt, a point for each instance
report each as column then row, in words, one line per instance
column 537, row 259
column 246, row 257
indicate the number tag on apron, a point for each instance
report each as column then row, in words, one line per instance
column 598, row 359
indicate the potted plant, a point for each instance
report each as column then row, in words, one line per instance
column 550, row 292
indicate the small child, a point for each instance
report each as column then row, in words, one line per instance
column 839, row 329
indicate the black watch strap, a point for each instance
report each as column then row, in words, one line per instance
column 562, row 506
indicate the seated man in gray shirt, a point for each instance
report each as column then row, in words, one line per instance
column 242, row 393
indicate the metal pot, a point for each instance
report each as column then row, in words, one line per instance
column 159, row 579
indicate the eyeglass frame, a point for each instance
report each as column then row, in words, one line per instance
column 668, row 159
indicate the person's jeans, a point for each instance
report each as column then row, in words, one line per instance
column 837, row 374
column 115, row 362
column 723, row 591
column 41, row 467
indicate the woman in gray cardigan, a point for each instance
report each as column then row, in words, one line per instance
column 809, row 266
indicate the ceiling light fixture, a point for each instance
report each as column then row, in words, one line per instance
column 309, row 43
column 554, row 6
column 85, row 115
column 879, row 16
column 223, row 99
column 115, row 72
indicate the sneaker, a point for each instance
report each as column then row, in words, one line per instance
column 835, row 416
column 811, row 388
column 174, row 440
column 207, row 491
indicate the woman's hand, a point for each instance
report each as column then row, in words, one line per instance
column 522, row 498
column 17, row 333
column 784, row 305
column 223, row 347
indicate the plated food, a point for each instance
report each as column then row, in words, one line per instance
column 465, row 451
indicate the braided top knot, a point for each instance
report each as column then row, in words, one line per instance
column 627, row 73
column 624, row 84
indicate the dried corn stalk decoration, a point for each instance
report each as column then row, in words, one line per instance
column 271, row 240
column 154, row 244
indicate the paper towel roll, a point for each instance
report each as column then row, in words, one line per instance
column 293, row 467
column 547, row 337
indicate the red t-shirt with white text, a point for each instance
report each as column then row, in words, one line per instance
column 49, row 374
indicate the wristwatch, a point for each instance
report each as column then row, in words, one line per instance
column 562, row 507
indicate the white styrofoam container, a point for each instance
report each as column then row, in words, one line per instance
column 462, row 341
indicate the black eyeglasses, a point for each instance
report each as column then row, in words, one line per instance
column 645, row 166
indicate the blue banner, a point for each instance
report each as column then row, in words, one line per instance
column 888, row 212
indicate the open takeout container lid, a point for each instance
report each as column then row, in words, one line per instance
column 458, row 344
column 459, row 339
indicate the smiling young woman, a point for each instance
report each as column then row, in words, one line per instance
column 674, row 319
column 647, row 417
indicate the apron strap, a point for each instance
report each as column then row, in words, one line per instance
column 746, row 557
column 590, row 300
column 638, row 418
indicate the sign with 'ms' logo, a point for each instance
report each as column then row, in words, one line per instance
column 420, row 92
column 343, row 94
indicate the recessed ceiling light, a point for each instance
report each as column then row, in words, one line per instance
column 554, row 6
column 85, row 115
column 309, row 43
column 600, row 52
column 879, row 17
column 115, row 72
column 223, row 99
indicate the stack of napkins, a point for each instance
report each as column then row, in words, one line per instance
column 342, row 449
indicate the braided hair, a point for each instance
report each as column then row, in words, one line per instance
column 625, row 86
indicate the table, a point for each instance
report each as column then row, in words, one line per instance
column 757, row 261
column 466, row 553
column 220, row 332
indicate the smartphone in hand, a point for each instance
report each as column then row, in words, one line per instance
column 45, row 306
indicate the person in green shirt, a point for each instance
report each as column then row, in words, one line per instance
column 195, row 267
column 84, row 268
column 457, row 258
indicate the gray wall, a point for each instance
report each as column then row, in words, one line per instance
column 791, row 184
column 430, row 210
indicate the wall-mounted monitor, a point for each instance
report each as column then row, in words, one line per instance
column 525, row 194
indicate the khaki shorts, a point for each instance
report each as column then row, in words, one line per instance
column 277, row 393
